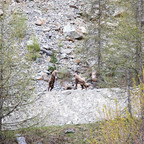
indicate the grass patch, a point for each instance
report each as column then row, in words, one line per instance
column 53, row 134
column 33, row 48
column 53, row 59
column 94, row 133
column 18, row 23
column 50, row 68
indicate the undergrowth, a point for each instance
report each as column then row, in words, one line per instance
column 119, row 128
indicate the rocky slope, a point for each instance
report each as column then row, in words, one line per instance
column 58, row 26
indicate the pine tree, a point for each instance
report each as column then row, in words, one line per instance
column 15, row 72
column 93, row 47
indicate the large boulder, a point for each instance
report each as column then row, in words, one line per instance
column 40, row 21
column 66, row 51
column 119, row 12
column 20, row 139
column 73, row 32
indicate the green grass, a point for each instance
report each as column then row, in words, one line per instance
column 53, row 58
column 55, row 134
column 95, row 133
column 50, row 68
column 33, row 49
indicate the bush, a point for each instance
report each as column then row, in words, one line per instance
column 33, row 49
column 118, row 128
column 50, row 68
column 18, row 22
column 53, row 58
column 54, row 61
column 34, row 46
column 64, row 73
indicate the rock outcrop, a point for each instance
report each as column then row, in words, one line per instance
column 71, row 106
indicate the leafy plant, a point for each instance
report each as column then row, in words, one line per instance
column 34, row 56
column 60, row 44
column 33, row 48
column 53, row 61
column 53, row 58
column 18, row 23
column 50, row 68
column 16, row 73
column 118, row 128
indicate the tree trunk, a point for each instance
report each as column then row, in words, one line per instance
column 140, row 43
column 99, row 38
column 129, row 95
column 0, row 118
column 140, row 60
column 1, row 71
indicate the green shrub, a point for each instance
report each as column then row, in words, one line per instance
column 34, row 56
column 53, row 58
column 54, row 62
column 33, row 49
column 34, row 46
column 118, row 128
column 50, row 68
column 18, row 23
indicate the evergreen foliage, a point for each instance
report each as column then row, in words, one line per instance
column 113, row 42
column 15, row 72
